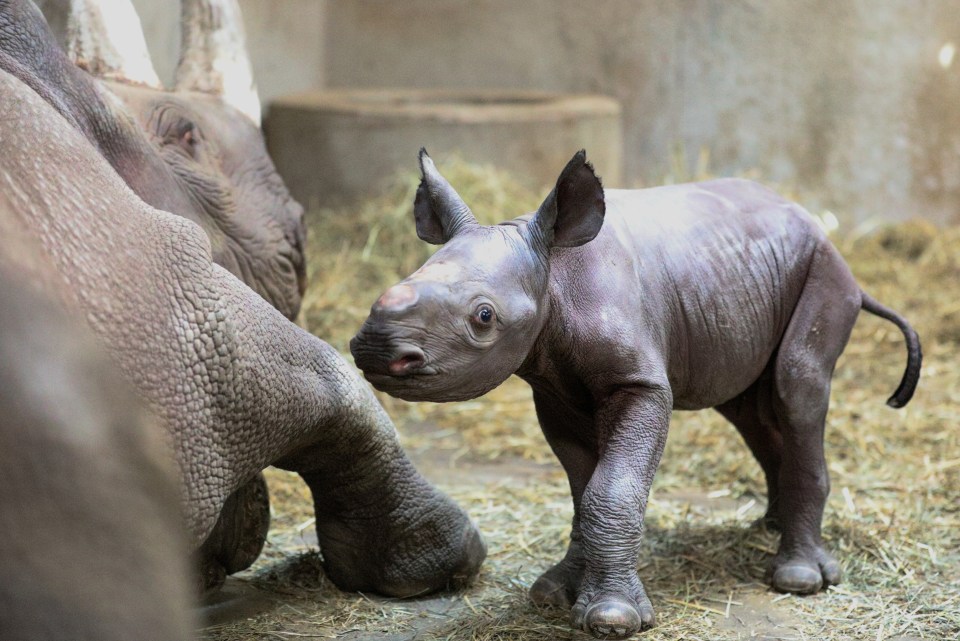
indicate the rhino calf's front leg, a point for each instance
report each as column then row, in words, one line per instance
column 631, row 426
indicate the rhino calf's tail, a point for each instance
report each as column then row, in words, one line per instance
column 908, row 384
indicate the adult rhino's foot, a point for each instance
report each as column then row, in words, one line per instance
column 238, row 537
column 803, row 573
column 419, row 544
column 558, row 585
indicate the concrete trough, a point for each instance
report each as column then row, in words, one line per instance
column 336, row 146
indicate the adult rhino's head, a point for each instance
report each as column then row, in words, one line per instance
column 466, row 320
column 200, row 152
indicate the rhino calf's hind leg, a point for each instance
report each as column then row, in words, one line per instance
column 817, row 333
column 752, row 414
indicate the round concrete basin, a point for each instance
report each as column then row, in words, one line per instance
column 335, row 146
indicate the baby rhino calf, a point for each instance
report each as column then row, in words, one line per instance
column 617, row 307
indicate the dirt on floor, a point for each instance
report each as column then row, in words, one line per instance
column 893, row 518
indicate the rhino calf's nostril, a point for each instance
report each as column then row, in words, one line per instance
column 406, row 363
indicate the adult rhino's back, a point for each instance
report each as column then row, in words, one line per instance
column 709, row 272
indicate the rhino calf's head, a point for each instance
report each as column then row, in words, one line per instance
column 466, row 320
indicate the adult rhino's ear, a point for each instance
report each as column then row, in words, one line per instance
column 573, row 212
column 439, row 211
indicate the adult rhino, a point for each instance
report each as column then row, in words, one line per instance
column 236, row 385
column 196, row 151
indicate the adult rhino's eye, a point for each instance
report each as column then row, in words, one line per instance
column 188, row 138
column 484, row 316
column 185, row 135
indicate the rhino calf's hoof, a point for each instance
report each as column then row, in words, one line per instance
column 802, row 575
column 769, row 521
column 546, row 591
column 558, row 585
column 797, row 578
column 612, row 617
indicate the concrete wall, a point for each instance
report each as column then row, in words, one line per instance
column 846, row 100
column 339, row 146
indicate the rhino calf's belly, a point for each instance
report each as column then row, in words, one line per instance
column 712, row 381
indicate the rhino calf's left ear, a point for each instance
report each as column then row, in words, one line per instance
column 572, row 214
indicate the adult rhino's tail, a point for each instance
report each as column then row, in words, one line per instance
column 914, row 356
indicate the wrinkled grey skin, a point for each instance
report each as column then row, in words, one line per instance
column 187, row 153
column 93, row 546
column 618, row 307
column 235, row 385
column 193, row 155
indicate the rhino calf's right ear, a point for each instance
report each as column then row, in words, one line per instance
column 572, row 215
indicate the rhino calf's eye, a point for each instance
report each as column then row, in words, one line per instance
column 484, row 316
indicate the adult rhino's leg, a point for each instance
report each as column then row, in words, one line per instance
column 294, row 402
column 238, row 537
column 260, row 391
column 381, row 526
column 558, row 585
column 752, row 414
column 280, row 396
column 817, row 333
